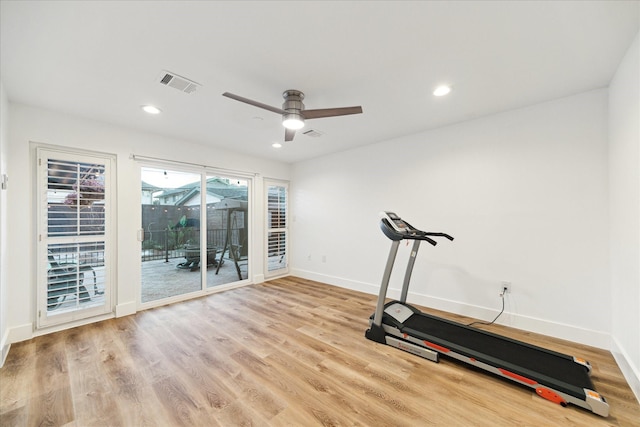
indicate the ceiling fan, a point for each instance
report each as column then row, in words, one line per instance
column 293, row 112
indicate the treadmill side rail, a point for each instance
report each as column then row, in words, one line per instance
column 597, row 403
column 412, row 348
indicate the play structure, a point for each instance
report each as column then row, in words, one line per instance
column 234, row 214
column 236, row 246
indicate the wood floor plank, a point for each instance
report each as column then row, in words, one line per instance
column 302, row 392
column 16, row 378
column 51, row 408
column 93, row 399
column 289, row 352
column 327, row 385
column 14, row 417
column 189, row 368
column 239, row 414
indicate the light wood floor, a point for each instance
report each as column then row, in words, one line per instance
column 287, row 352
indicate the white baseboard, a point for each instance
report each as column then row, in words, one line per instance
column 258, row 278
column 339, row 281
column 558, row 330
column 630, row 371
column 21, row 333
column 5, row 345
column 126, row 309
column 70, row 325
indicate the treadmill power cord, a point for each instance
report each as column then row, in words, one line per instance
column 496, row 318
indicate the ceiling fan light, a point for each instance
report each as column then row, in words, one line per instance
column 292, row 121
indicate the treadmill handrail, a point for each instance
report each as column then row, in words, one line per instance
column 411, row 234
column 427, row 233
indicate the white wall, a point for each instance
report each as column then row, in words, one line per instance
column 523, row 192
column 43, row 126
column 624, row 187
column 4, row 301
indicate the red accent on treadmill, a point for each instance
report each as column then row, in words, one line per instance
column 436, row 346
column 517, row 377
column 551, row 395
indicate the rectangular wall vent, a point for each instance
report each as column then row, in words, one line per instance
column 313, row 133
column 175, row 81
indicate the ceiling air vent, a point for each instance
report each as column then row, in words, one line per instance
column 313, row 133
column 175, row 81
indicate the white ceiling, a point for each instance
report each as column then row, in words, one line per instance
column 101, row 60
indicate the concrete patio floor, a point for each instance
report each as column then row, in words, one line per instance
column 162, row 279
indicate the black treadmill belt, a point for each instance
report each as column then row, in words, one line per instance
column 534, row 362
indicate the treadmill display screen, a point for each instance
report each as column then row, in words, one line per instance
column 398, row 224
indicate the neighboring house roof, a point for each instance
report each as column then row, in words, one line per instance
column 215, row 187
column 149, row 187
column 194, row 192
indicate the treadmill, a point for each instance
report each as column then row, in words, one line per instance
column 554, row 376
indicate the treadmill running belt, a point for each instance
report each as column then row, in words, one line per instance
column 534, row 362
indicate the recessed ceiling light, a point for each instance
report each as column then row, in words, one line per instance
column 151, row 109
column 276, row 145
column 442, row 90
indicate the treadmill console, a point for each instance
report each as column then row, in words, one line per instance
column 396, row 222
column 395, row 228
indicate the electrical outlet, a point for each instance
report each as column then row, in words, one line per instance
column 505, row 288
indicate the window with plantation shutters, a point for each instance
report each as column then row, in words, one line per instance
column 75, row 198
column 73, row 246
column 277, row 228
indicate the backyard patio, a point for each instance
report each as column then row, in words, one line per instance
column 162, row 279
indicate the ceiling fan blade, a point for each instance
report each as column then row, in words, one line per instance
column 254, row 103
column 289, row 134
column 331, row 112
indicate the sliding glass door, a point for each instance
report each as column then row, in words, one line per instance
column 195, row 231
column 171, row 224
column 227, row 229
